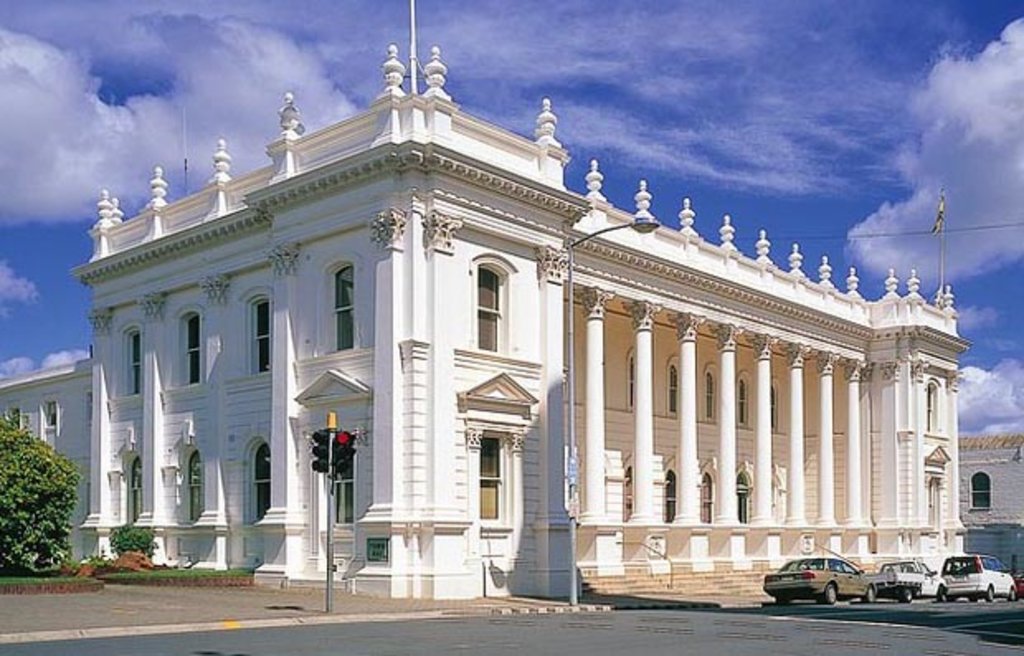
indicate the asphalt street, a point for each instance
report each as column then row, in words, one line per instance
column 921, row 628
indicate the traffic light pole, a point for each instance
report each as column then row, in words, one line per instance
column 332, row 429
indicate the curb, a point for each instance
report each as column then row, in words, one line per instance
column 554, row 610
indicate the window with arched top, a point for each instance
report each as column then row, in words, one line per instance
column 134, row 490
column 191, row 326
column 627, row 495
column 709, row 396
column 670, row 496
column 742, row 403
column 631, row 383
column 673, row 389
column 261, row 481
column 195, row 486
column 260, row 335
column 932, row 407
column 743, row 497
column 981, row 491
column 707, row 498
column 488, row 309
column 775, row 407
column 344, row 309
column 133, row 357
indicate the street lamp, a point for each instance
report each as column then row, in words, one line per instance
column 644, row 223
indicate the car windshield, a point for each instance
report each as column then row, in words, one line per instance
column 959, row 566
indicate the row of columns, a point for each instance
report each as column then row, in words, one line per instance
column 688, row 510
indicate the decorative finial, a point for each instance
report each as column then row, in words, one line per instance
column 825, row 272
column 394, row 73
column 852, row 283
column 795, row 261
column 686, row 217
column 643, row 203
column 105, row 210
column 221, row 163
column 435, row 72
column 727, row 233
column 594, row 179
column 116, row 215
column 291, row 119
column 913, row 284
column 948, row 298
column 157, row 190
column 892, row 283
column 763, row 247
column 546, row 124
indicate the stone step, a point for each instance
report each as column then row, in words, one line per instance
column 747, row 582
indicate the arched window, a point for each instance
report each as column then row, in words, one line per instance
column 133, row 356
column 632, row 381
column 775, row 408
column 261, row 336
column 981, row 491
column 195, row 486
column 134, row 490
column 932, row 403
column 344, row 491
column 742, row 407
column 709, row 396
column 193, row 361
column 707, row 498
column 488, row 309
column 670, row 496
column 344, row 308
column 743, row 497
column 627, row 495
column 673, row 389
column 261, row 481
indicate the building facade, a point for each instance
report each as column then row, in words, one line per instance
column 990, row 502
column 406, row 269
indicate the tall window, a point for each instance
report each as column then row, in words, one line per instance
column 935, row 503
column 344, row 494
column 192, row 350
column 932, row 402
column 981, row 491
column 134, row 490
column 488, row 309
column 673, row 389
column 490, row 478
column 195, row 486
column 50, row 414
column 709, row 396
column 775, row 408
column 134, row 356
column 707, row 498
column 631, row 383
column 742, row 412
column 344, row 307
column 743, row 497
column 670, row 496
column 627, row 495
column 261, row 481
column 261, row 336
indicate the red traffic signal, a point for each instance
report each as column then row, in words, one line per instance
column 345, row 438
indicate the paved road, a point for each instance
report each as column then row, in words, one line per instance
column 922, row 628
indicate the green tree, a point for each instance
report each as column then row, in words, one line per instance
column 37, row 496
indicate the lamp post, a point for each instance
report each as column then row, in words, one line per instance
column 643, row 223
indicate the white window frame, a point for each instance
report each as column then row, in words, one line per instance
column 742, row 402
column 499, row 480
column 188, row 350
column 499, row 313
column 673, row 389
column 338, row 310
column 193, row 486
column 133, row 361
column 255, row 337
column 254, row 509
column 48, row 425
column 988, row 477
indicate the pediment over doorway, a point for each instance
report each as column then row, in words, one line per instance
column 334, row 386
column 501, row 394
column 939, row 457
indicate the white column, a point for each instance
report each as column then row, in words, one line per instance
column 593, row 467
column 643, row 413
column 795, row 474
column 688, row 492
column 826, row 462
column 473, row 437
column 726, row 496
column 154, row 490
column 101, row 510
column 952, row 516
column 212, row 440
column 516, row 441
column 854, row 512
column 763, row 433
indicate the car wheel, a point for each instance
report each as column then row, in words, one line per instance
column 870, row 595
column 782, row 601
column 990, row 594
column 940, row 595
column 906, row 595
column 830, row 595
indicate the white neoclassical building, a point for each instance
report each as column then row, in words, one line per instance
column 405, row 268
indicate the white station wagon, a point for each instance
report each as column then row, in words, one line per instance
column 976, row 577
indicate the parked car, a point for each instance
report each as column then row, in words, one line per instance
column 1018, row 583
column 906, row 579
column 976, row 577
column 825, row 580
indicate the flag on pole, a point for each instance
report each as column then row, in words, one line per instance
column 940, row 216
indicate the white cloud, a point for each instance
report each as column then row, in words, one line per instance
column 23, row 365
column 992, row 401
column 14, row 289
column 970, row 113
column 973, row 318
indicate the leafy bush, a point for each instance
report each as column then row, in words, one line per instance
column 37, row 496
column 132, row 538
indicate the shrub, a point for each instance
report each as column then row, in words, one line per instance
column 132, row 538
column 37, row 496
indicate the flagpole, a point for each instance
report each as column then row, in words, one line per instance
column 413, row 59
column 940, row 227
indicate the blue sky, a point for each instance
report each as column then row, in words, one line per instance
column 822, row 122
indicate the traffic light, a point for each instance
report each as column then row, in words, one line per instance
column 344, row 446
column 321, row 447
